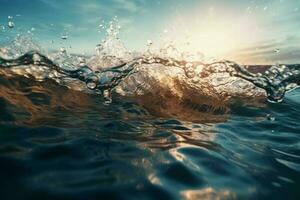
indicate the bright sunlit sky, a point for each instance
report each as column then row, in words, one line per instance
column 247, row 31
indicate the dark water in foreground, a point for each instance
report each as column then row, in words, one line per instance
column 60, row 144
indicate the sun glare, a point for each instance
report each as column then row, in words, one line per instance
column 212, row 35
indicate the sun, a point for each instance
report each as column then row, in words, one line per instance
column 215, row 34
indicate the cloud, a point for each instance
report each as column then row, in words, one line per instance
column 109, row 8
column 268, row 52
column 126, row 5
column 52, row 3
column 265, row 30
column 104, row 7
column 87, row 15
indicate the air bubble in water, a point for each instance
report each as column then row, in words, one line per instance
column 91, row 83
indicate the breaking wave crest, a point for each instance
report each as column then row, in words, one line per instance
column 166, row 78
column 222, row 79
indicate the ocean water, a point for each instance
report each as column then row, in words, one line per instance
column 155, row 126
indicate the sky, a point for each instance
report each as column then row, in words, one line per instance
column 246, row 31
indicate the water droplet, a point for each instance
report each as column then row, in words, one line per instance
column 270, row 117
column 149, row 42
column 188, row 65
column 98, row 49
column 36, row 59
column 11, row 24
column 63, row 50
column 82, row 61
column 107, row 97
column 91, row 85
column 195, row 80
column 64, row 36
column 190, row 69
column 190, row 74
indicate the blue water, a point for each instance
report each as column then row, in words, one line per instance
column 57, row 143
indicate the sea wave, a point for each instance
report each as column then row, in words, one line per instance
column 161, row 81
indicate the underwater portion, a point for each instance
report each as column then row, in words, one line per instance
column 159, row 121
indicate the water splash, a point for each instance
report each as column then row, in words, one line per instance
column 276, row 81
column 153, row 71
column 20, row 46
column 111, row 50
